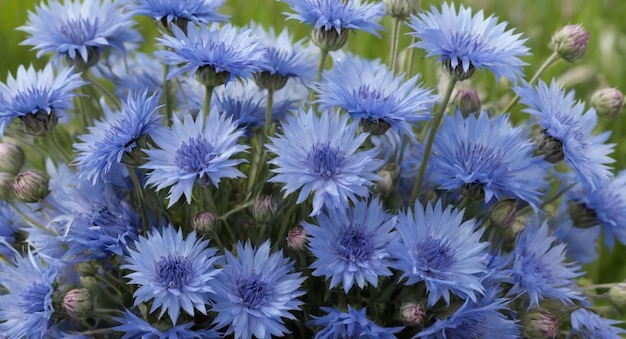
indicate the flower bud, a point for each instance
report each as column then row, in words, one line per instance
column 40, row 123
column 539, row 323
column 329, row 40
column 401, row 9
column 468, row 101
column 608, row 102
column 207, row 76
column 90, row 283
column 6, row 186
column 296, row 238
column 266, row 80
column 264, row 208
column 412, row 313
column 31, row 186
column 11, row 158
column 78, row 302
column 570, row 42
column 203, row 222
column 389, row 174
column 503, row 213
column 617, row 295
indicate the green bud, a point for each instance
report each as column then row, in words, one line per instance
column 401, row 9
column 329, row 40
column 204, row 222
column 503, row 213
column 296, row 238
column 539, row 323
column 264, row 208
column 570, row 42
column 389, row 174
column 617, row 295
column 608, row 102
column 11, row 158
column 40, row 123
column 468, row 101
column 78, row 302
column 412, row 313
column 6, row 186
column 89, row 282
column 266, row 80
column 207, row 76
column 31, row 186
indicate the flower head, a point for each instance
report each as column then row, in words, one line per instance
column 320, row 155
column 37, row 93
column 351, row 324
column 167, row 11
column 471, row 42
column 176, row 273
column 567, row 132
column 570, row 42
column 591, row 325
column 134, row 327
column 117, row 139
column 486, row 158
column 371, row 93
column 437, row 247
column 255, row 291
column 194, row 152
column 351, row 245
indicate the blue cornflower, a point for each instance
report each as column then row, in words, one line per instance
column 581, row 242
column 539, row 269
column 167, row 11
column 79, row 30
column 320, row 155
column 371, row 93
column 471, row 42
column 437, row 247
column 254, row 291
column 117, row 139
column 353, row 324
column 176, row 273
column 38, row 94
column 567, row 132
column 486, row 157
column 338, row 15
column 194, row 152
column 351, row 245
column 224, row 50
column 27, row 297
column 591, row 325
column 134, row 327
column 134, row 72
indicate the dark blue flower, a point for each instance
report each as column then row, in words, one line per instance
column 173, row 272
column 471, row 42
column 166, row 11
column 351, row 324
column 437, row 247
column 320, row 155
column 590, row 325
column 255, row 291
column 134, row 327
column 351, row 245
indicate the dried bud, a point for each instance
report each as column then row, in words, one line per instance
column 6, row 186
column 78, row 302
column 264, row 209
column 412, row 313
column 207, row 76
column 608, row 102
column 31, row 186
column 329, row 40
column 204, row 222
column 570, row 42
column 617, row 295
column 296, row 238
column 11, row 158
column 40, row 123
column 468, row 101
column 401, row 9
column 457, row 72
column 503, row 213
column 539, row 323
column 267, row 80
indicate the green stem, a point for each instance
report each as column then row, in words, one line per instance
column 208, row 200
column 67, row 158
column 395, row 41
column 431, row 138
column 208, row 93
column 31, row 220
column 411, row 57
column 114, row 99
column 549, row 62
column 235, row 210
column 166, row 95
column 320, row 70
column 140, row 197
column 268, row 111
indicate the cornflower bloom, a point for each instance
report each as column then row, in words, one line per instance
column 173, row 272
column 255, row 291
column 591, row 325
column 351, row 324
column 134, row 327
column 179, row 12
column 351, row 245
column 320, row 155
column 38, row 98
column 463, row 42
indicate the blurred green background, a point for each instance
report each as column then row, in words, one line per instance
column 602, row 66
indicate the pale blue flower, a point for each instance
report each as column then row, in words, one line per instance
column 351, row 324
column 134, row 327
column 590, row 325
column 167, row 11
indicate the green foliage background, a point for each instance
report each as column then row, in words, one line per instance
column 602, row 66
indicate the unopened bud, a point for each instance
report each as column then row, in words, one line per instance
column 296, row 238
column 412, row 313
column 31, row 186
column 330, row 39
column 6, row 186
column 11, row 158
column 264, row 208
column 401, row 9
column 457, row 73
column 389, row 174
column 90, row 283
column 40, row 123
column 608, row 102
column 539, row 323
column 617, row 295
column 203, row 222
column 503, row 213
column 468, row 101
column 570, row 42
column 207, row 76
column 78, row 302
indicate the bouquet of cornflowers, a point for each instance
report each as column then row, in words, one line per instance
column 236, row 183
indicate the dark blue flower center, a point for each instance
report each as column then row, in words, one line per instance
column 355, row 245
column 174, row 272
column 195, row 155
column 253, row 291
column 435, row 255
column 325, row 160
column 33, row 298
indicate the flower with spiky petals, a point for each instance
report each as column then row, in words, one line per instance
column 254, row 291
column 351, row 324
column 437, row 247
column 320, row 155
column 119, row 137
column 176, row 273
column 27, row 297
column 540, row 270
column 464, row 42
column 590, row 325
column 168, row 11
column 214, row 54
column 134, row 72
column 581, row 242
column 79, row 30
column 134, row 327
column 371, row 93
column 487, row 159
column 475, row 319
column 351, row 245
column 38, row 94
column 194, row 152
column 567, row 133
